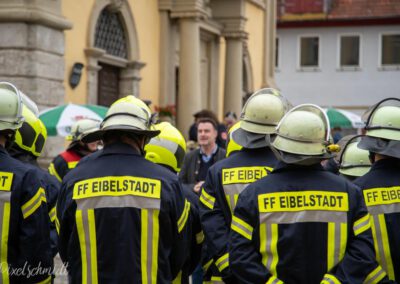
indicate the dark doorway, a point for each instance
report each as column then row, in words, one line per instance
column 108, row 86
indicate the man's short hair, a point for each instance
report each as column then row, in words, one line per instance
column 209, row 120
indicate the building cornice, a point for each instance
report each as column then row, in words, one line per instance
column 34, row 15
column 339, row 22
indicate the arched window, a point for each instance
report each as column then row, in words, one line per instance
column 110, row 34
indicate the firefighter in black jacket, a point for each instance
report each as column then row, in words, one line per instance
column 27, row 147
column 122, row 218
column 381, row 185
column 302, row 224
column 76, row 150
column 229, row 177
column 25, row 233
column 168, row 150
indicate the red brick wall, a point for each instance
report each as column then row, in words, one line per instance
column 303, row 6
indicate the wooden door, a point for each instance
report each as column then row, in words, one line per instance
column 108, row 84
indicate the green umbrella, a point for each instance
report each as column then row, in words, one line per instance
column 343, row 118
column 58, row 120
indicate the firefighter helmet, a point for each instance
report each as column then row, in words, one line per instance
column 231, row 145
column 11, row 117
column 32, row 135
column 168, row 148
column 303, row 135
column 354, row 161
column 128, row 114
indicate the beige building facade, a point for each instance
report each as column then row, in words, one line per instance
column 193, row 54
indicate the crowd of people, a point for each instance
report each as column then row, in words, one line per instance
column 268, row 198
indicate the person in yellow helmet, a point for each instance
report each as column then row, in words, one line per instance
column 25, row 226
column 229, row 177
column 302, row 224
column 69, row 158
column 231, row 145
column 27, row 147
column 168, row 150
column 122, row 218
column 381, row 185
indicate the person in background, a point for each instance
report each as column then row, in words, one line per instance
column 301, row 224
column 168, row 150
column 25, row 230
column 353, row 161
column 68, row 159
column 196, row 163
column 381, row 185
column 222, row 132
column 230, row 119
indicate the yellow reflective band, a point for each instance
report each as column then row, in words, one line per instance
column 374, row 236
column 93, row 245
column 379, row 196
column 184, row 217
column 343, row 240
column 274, row 248
column 4, row 242
column 57, row 222
column 6, row 181
column 304, row 200
column 200, row 237
column 72, row 165
column 82, row 244
column 216, row 279
column 362, row 224
column 330, row 279
column 222, row 262
column 156, row 236
column 274, row 280
column 207, row 265
column 331, row 245
column 34, row 203
column 375, row 276
column 117, row 186
column 244, row 174
column 228, row 200
column 207, row 199
column 242, row 228
column 178, row 279
column 52, row 171
column 386, row 247
column 144, row 240
column 45, row 281
column 263, row 243
column 52, row 214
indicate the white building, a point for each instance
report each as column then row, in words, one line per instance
column 337, row 53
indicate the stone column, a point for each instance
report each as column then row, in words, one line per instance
column 189, row 100
column 233, row 75
column 130, row 78
column 269, row 44
column 167, row 67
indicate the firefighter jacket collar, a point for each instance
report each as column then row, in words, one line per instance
column 282, row 166
column 3, row 151
column 386, row 163
column 120, row 148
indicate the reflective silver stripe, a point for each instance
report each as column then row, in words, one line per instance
column 35, row 201
column 118, row 201
column 362, row 224
column 85, row 221
column 237, row 224
column 384, row 209
column 303, row 216
column 275, row 281
column 231, row 190
column 268, row 252
column 376, row 277
column 171, row 146
column 149, row 244
column 5, row 196
column 379, row 242
column 330, row 281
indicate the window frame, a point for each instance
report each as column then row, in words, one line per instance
column 278, row 53
column 308, row 68
column 339, row 55
column 384, row 67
